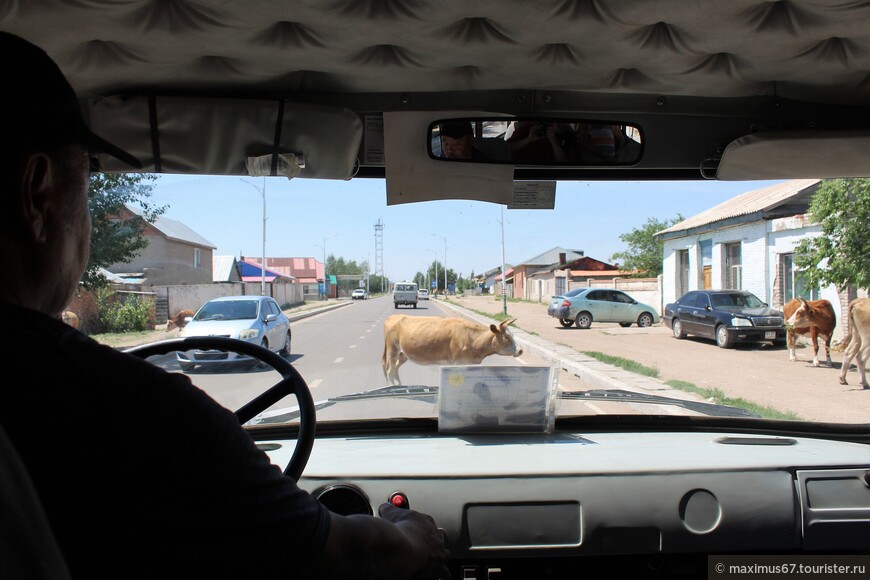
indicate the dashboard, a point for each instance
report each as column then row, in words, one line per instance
column 656, row 502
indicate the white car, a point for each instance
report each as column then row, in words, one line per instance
column 255, row 319
column 422, row 294
column 359, row 294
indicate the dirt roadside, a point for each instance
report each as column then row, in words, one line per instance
column 759, row 373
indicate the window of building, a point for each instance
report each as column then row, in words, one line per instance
column 197, row 258
column 706, row 264
column 733, row 266
column 793, row 283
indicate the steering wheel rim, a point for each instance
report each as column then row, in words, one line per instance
column 291, row 383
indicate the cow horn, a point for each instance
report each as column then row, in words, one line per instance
column 506, row 322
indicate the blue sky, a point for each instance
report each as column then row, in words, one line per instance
column 303, row 214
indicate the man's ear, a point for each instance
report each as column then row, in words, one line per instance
column 35, row 187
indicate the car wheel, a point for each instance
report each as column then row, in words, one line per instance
column 566, row 322
column 624, row 324
column 677, row 327
column 583, row 320
column 285, row 350
column 645, row 320
column 723, row 339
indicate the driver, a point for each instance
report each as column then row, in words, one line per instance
column 140, row 473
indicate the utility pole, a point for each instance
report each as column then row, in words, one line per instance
column 446, row 281
column 379, row 251
column 263, row 264
column 503, row 273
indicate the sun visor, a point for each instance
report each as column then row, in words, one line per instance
column 216, row 136
column 412, row 176
column 796, row 155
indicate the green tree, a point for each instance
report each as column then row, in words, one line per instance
column 644, row 252
column 839, row 256
column 116, row 240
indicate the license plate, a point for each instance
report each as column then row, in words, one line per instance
column 770, row 335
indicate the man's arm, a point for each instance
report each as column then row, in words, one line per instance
column 400, row 544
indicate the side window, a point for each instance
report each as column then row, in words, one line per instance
column 197, row 258
column 703, row 301
column 690, row 300
column 597, row 295
column 620, row 297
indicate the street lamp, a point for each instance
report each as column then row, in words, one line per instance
column 445, row 262
column 263, row 265
column 435, row 263
column 325, row 278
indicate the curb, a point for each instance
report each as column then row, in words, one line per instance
column 313, row 311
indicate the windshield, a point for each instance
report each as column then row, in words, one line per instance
column 623, row 340
column 228, row 310
column 736, row 300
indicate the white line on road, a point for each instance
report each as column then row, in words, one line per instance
column 315, row 383
column 352, row 346
column 338, row 360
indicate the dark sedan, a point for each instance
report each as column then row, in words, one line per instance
column 727, row 316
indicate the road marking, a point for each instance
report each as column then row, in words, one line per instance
column 362, row 338
column 352, row 346
column 338, row 360
column 522, row 361
column 315, row 383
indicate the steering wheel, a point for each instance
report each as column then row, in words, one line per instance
column 292, row 383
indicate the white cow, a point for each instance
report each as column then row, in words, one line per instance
column 857, row 344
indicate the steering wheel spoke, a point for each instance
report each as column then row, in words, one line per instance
column 291, row 383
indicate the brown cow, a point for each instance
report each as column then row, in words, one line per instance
column 179, row 320
column 812, row 317
column 857, row 344
column 70, row 318
column 433, row 340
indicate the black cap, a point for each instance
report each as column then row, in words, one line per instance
column 456, row 129
column 41, row 106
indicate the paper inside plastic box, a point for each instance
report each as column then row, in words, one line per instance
column 497, row 399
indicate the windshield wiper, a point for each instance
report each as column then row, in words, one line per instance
column 619, row 395
column 430, row 394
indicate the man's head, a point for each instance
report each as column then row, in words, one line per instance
column 456, row 140
column 44, row 166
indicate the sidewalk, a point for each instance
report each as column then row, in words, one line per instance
column 527, row 332
column 758, row 373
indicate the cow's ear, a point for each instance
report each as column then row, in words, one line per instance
column 494, row 328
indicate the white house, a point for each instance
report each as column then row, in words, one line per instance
column 748, row 243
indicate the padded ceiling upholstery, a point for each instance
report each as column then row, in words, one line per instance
column 812, row 50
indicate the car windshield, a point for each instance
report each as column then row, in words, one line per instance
column 227, row 310
column 499, row 160
column 736, row 300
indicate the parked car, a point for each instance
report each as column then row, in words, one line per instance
column 727, row 316
column 359, row 294
column 422, row 294
column 582, row 306
column 256, row 319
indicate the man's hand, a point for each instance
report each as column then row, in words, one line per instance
column 427, row 541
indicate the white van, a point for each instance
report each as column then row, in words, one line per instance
column 405, row 293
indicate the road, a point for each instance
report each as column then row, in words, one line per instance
column 339, row 352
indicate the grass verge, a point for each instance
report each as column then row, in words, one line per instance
column 719, row 398
column 624, row 363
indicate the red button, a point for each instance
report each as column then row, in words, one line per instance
column 399, row 500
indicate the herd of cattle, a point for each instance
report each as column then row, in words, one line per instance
column 816, row 317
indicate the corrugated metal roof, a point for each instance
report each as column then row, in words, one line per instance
column 176, row 230
column 757, row 200
column 222, row 268
column 552, row 257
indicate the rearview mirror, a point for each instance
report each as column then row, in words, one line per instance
column 536, row 141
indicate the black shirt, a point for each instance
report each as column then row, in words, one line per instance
column 140, row 472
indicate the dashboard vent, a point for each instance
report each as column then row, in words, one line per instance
column 756, row 441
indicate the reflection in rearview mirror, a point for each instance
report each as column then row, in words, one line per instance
column 535, row 141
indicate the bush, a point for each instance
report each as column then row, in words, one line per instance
column 124, row 312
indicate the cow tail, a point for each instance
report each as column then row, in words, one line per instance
column 384, row 360
column 842, row 346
